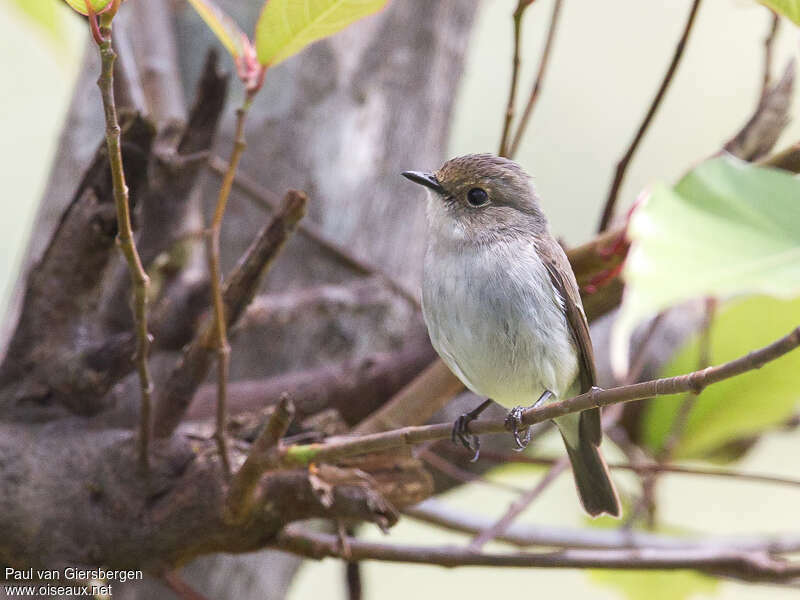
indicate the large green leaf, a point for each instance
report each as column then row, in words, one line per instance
column 656, row 585
column 788, row 8
column 80, row 5
column 735, row 408
column 223, row 26
column 287, row 26
column 727, row 228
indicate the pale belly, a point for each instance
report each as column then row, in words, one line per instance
column 498, row 323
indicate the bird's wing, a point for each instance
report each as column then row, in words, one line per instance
column 563, row 280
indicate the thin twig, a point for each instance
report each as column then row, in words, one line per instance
column 241, row 496
column 125, row 239
column 338, row 448
column 515, row 62
column 622, row 166
column 747, row 566
column 220, row 328
column 537, row 86
column 518, row 506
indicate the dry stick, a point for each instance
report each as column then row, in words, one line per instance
column 268, row 200
column 220, row 328
column 338, row 448
column 240, row 500
column 622, row 166
column 755, row 565
column 125, row 239
column 515, row 62
column 537, row 86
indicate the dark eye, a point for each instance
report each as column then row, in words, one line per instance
column 477, row 197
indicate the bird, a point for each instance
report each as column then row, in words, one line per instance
column 503, row 309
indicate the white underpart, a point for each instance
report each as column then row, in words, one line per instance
column 495, row 318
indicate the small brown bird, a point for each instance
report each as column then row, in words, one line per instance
column 503, row 309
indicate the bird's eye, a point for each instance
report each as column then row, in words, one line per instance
column 477, row 197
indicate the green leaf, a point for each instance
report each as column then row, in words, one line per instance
column 287, row 26
column 223, row 26
column 727, row 228
column 788, row 8
column 80, row 5
column 735, row 408
column 656, row 585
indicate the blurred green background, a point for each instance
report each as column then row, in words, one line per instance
column 608, row 60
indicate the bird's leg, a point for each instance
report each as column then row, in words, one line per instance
column 514, row 420
column 460, row 431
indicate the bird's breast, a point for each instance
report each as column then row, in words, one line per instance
column 495, row 318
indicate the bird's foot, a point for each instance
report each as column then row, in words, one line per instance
column 460, row 432
column 513, row 422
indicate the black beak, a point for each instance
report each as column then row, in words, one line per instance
column 426, row 179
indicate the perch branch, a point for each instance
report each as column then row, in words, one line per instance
column 338, row 448
column 622, row 166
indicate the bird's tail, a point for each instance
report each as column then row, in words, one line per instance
column 595, row 488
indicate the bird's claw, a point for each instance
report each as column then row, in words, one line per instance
column 460, row 433
column 513, row 422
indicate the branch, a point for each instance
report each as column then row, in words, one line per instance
column 497, row 528
column 125, row 240
column 622, row 166
column 354, row 388
column 220, row 331
column 179, row 389
column 512, row 92
column 537, row 86
column 338, row 448
column 746, row 566
column 58, row 325
column 240, row 501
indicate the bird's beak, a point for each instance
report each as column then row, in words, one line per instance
column 427, row 179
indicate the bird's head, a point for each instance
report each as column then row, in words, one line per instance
column 476, row 196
